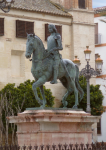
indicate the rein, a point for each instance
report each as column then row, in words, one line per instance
column 40, row 59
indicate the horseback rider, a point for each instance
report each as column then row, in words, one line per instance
column 54, row 44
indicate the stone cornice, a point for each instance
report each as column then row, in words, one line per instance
column 83, row 23
column 53, row 116
column 36, row 19
column 81, row 10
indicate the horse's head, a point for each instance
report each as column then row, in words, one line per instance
column 30, row 47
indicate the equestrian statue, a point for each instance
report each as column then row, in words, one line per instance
column 48, row 65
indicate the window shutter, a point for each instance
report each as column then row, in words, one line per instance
column 59, row 30
column 29, row 27
column 81, row 4
column 20, row 28
column 96, row 33
column 1, row 26
column 23, row 27
column 46, row 32
column 99, row 127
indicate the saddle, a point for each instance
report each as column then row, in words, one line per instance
column 49, row 61
column 46, row 64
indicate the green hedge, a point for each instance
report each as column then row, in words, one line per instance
column 16, row 95
column 96, row 98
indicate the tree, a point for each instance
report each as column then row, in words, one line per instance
column 15, row 100
column 96, row 98
column 16, row 95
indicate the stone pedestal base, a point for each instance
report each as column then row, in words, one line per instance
column 53, row 126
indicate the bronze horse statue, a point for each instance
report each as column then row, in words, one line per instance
column 42, row 71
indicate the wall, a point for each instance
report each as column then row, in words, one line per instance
column 101, row 28
column 82, row 36
column 101, row 50
column 102, row 136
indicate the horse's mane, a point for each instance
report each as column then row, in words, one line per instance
column 42, row 45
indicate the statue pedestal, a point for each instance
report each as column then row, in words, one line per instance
column 44, row 126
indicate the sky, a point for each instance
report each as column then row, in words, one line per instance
column 99, row 3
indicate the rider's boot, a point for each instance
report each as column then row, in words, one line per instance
column 54, row 81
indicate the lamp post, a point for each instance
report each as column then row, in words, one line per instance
column 5, row 5
column 76, row 61
column 99, row 63
column 88, row 72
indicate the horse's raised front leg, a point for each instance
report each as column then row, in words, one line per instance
column 38, row 83
column 43, row 95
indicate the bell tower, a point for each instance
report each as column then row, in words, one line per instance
column 69, row 4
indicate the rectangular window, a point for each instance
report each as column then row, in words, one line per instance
column 1, row 26
column 59, row 30
column 96, row 33
column 81, row 4
column 99, row 127
column 24, row 27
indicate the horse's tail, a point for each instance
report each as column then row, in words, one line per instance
column 77, row 83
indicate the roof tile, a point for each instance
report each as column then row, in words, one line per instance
column 99, row 9
column 44, row 6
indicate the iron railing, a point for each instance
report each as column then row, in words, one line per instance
column 96, row 146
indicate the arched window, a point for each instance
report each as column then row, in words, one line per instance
column 81, row 4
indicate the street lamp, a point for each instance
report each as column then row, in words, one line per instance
column 5, row 5
column 88, row 72
column 76, row 61
column 87, row 53
column 99, row 63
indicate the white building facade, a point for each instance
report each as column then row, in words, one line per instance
column 100, row 49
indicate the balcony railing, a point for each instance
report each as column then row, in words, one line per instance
column 98, row 38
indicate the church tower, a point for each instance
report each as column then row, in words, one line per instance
column 81, row 4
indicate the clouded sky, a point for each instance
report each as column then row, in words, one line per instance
column 99, row 3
